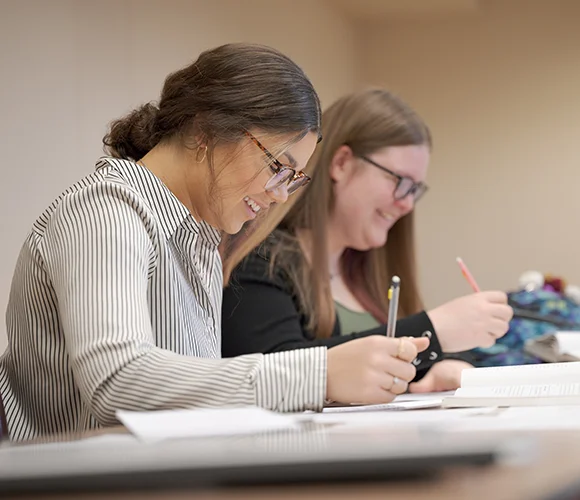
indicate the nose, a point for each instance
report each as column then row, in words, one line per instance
column 406, row 204
column 279, row 194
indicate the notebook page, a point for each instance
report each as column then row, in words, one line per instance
column 521, row 391
column 549, row 373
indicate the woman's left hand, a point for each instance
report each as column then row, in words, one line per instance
column 442, row 376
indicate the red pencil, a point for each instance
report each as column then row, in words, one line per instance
column 468, row 276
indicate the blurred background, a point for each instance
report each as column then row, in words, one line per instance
column 498, row 82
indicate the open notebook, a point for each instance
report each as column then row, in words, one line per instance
column 524, row 385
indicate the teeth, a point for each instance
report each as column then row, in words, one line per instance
column 386, row 215
column 252, row 204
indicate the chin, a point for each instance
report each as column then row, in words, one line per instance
column 376, row 241
column 232, row 228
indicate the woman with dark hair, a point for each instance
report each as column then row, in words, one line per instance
column 116, row 298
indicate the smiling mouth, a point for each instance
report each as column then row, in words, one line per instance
column 252, row 204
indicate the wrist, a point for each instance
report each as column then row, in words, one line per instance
column 437, row 318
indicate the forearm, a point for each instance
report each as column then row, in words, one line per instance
column 159, row 379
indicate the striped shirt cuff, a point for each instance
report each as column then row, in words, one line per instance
column 292, row 380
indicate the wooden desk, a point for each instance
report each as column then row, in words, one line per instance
column 556, row 469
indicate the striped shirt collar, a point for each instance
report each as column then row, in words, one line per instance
column 170, row 212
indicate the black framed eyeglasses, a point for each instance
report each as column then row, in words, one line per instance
column 405, row 185
column 282, row 174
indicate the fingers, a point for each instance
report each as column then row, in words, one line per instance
column 426, row 384
column 405, row 348
column 487, row 341
column 505, row 313
column 394, row 385
column 498, row 328
column 378, row 397
column 494, row 296
column 398, row 386
column 421, row 343
column 403, row 370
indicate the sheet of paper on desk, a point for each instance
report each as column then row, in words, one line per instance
column 532, row 418
column 422, row 396
column 173, row 424
column 569, row 343
column 433, row 419
column 402, row 402
column 403, row 405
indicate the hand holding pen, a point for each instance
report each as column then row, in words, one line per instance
column 475, row 320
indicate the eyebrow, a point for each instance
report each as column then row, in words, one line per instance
column 291, row 159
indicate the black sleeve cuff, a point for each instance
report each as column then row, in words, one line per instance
column 466, row 356
column 419, row 325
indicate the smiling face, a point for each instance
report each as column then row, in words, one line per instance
column 241, row 184
column 365, row 208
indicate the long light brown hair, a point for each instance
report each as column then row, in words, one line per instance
column 366, row 121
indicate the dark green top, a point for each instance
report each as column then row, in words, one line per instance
column 354, row 321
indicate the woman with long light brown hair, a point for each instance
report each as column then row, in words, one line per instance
column 322, row 277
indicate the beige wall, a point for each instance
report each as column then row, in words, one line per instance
column 500, row 89
column 70, row 66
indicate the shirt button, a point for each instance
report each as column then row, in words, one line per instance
column 416, row 361
column 427, row 333
column 433, row 355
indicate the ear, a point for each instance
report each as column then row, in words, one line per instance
column 342, row 164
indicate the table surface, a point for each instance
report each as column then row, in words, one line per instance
column 555, row 470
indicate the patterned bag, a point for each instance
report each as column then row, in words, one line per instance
column 536, row 313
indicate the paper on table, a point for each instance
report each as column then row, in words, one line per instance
column 549, row 373
column 402, row 402
column 522, row 419
column 426, row 396
column 568, row 343
column 172, row 424
column 434, row 418
column 402, row 405
column 521, row 391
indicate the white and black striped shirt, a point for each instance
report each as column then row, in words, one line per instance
column 116, row 304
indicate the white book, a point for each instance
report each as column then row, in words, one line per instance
column 523, row 385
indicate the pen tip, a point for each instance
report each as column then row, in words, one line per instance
column 458, row 259
column 396, row 280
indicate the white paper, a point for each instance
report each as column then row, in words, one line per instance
column 537, row 418
column 568, row 343
column 548, row 373
column 173, row 424
column 424, row 396
column 521, row 391
column 436, row 418
column 402, row 402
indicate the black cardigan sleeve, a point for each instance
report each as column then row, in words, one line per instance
column 260, row 313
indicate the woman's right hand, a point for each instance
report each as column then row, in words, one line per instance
column 371, row 370
column 476, row 320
